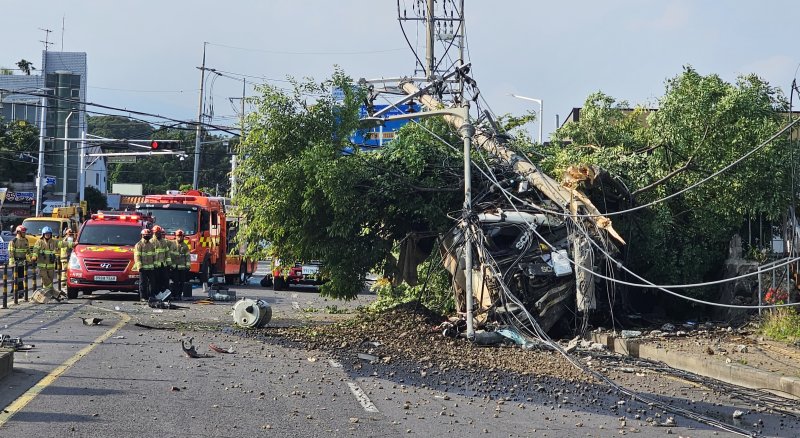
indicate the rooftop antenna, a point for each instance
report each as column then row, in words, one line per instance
column 46, row 38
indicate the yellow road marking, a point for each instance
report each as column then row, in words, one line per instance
column 23, row 400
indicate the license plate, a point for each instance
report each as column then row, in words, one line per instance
column 308, row 270
column 105, row 278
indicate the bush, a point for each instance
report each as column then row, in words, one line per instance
column 782, row 324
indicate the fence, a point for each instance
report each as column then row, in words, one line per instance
column 21, row 281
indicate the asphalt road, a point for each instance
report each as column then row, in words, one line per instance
column 123, row 380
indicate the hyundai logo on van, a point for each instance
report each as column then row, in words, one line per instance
column 105, row 265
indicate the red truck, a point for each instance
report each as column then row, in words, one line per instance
column 209, row 232
column 103, row 255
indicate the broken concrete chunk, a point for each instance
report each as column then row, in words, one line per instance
column 627, row 334
column 737, row 414
column 667, row 328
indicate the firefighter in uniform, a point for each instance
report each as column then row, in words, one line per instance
column 163, row 260
column 18, row 254
column 144, row 254
column 65, row 247
column 181, row 264
column 44, row 254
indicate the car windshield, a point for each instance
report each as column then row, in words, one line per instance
column 35, row 226
column 172, row 220
column 109, row 235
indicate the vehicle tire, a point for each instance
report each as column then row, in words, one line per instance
column 278, row 283
column 266, row 281
column 72, row 293
column 231, row 279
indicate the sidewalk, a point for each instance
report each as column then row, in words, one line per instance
column 740, row 357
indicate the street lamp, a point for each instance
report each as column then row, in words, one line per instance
column 467, row 130
column 541, row 111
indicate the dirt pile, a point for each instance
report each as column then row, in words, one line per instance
column 408, row 336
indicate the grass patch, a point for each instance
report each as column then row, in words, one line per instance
column 782, row 324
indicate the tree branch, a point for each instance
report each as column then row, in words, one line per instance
column 665, row 179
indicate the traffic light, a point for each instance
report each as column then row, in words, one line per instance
column 153, row 145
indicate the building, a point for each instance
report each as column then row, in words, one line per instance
column 64, row 79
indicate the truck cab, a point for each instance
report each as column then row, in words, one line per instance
column 103, row 255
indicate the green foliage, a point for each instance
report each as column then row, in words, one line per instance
column 162, row 173
column 17, row 137
column 782, row 324
column 702, row 125
column 95, row 199
column 311, row 201
column 436, row 294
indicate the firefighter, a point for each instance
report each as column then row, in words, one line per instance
column 181, row 264
column 18, row 255
column 44, row 254
column 65, row 247
column 162, row 261
column 144, row 254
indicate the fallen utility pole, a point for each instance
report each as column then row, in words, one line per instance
column 568, row 199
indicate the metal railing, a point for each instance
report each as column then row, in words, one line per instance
column 20, row 286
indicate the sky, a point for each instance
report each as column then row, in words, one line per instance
column 143, row 55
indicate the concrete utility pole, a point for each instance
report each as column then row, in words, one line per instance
column 196, row 173
column 241, row 137
column 430, row 22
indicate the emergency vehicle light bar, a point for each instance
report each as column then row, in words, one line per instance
column 122, row 217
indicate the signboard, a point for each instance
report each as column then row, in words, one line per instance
column 127, row 189
column 122, row 159
column 380, row 135
column 20, row 196
column 49, row 180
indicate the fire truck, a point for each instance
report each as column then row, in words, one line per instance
column 102, row 258
column 206, row 227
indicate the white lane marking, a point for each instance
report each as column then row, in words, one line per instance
column 334, row 363
column 362, row 398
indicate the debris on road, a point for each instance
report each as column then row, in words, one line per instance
column 228, row 350
column 91, row 321
column 16, row 344
column 250, row 313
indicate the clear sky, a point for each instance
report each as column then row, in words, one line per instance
column 142, row 54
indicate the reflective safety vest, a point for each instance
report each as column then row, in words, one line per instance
column 44, row 252
column 180, row 255
column 66, row 249
column 18, row 250
column 163, row 253
column 144, row 255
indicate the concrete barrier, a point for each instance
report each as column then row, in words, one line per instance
column 6, row 362
column 734, row 373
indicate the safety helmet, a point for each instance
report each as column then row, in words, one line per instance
column 179, row 233
column 21, row 229
column 146, row 232
column 47, row 230
column 157, row 229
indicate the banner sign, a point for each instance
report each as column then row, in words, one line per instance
column 19, row 196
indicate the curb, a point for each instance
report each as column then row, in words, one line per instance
column 6, row 362
column 733, row 373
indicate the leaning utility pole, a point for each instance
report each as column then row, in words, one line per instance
column 196, row 173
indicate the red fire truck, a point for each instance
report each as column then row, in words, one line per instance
column 205, row 224
column 103, row 255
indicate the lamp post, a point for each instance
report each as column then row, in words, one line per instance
column 541, row 111
column 467, row 130
column 40, row 165
column 66, row 158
